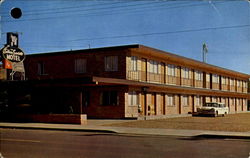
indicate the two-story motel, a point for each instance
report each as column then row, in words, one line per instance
column 129, row 82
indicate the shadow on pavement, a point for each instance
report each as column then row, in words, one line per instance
column 208, row 136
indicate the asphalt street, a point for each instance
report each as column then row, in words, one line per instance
column 19, row 143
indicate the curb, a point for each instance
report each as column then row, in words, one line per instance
column 113, row 131
column 61, row 129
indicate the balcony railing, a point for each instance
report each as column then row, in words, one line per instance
column 186, row 82
column 198, row 83
column 216, row 86
column 232, row 88
column 143, row 76
column 135, row 75
column 154, row 78
column 225, row 87
column 172, row 80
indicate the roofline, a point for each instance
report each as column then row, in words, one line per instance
column 202, row 64
column 83, row 50
column 193, row 60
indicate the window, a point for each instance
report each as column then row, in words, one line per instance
column 223, row 80
column 199, row 75
column 111, row 63
column 214, row 99
column 238, row 83
column 153, row 67
column 207, row 78
column 134, row 63
column 185, row 73
column 215, row 78
column 244, row 84
column 244, row 102
column 80, row 65
column 41, row 68
column 238, row 102
column 133, row 99
column 171, row 70
column 223, row 100
column 109, row 98
column 185, row 100
column 198, row 101
column 231, row 82
column 170, row 100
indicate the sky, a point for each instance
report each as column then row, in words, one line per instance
column 176, row 26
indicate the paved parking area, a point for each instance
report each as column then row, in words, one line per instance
column 233, row 123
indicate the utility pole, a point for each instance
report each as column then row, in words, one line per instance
column 204, row 52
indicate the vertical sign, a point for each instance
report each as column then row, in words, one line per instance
column 11, row 55
column 12, row 39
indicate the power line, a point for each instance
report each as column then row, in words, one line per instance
column 170, row 32
column 105, row 13
column 102, row 8
column 159, row 33
column 93, row 9
column 38, row 11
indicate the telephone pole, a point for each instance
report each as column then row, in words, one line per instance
column 204, row 52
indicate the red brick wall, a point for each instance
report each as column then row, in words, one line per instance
column 62, row 65
column 95, row 110
column 52, row 118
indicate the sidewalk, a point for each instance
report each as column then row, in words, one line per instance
column 97, row 126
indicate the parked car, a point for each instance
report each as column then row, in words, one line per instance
column 215, row 109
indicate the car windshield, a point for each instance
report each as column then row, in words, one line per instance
column 214, row 105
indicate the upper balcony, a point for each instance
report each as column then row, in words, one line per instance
column 163, row 73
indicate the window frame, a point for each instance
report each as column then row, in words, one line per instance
column 133, row 98
column 232, row 82
column 111, row 63
column 41, row 68
column 198, row 100
column 223, row 80
column 215, row 78
column 185, row 73
column 134, row 63
column 171, row 70
column 80, row 65
column 185, row 100
column 154, row 67
column 109, row 96
column 199, row 75
column 170, row 100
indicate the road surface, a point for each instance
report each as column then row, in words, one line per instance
column 17, row 143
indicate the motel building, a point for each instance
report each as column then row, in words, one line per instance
column 132, row 81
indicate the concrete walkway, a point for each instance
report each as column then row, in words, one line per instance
column 98, row 126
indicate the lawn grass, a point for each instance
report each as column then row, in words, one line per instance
column 233, row 122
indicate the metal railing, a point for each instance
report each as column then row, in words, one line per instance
column 150, row 77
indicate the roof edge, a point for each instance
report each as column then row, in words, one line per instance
column 83, row 50
column 193, row 60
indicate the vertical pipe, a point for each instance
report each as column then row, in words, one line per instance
column 80, row 100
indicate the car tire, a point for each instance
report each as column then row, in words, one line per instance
column 216, row 114
column 225, row 114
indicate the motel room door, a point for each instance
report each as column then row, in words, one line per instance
column 153, row 104
column 144, row 69
column 84, row 101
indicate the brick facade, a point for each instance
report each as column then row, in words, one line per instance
column 139, row 83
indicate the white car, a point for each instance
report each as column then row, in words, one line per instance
column 214, row 109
